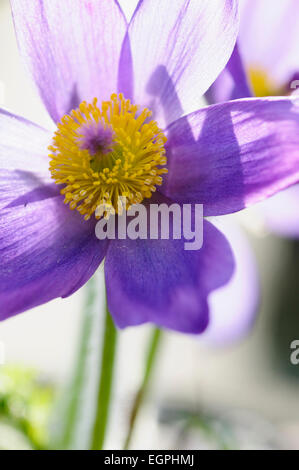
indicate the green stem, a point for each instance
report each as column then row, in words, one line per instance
column 149, row 367
column 74, row 394
column 105, row 384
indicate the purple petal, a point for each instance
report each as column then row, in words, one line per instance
column 233, row 307
column 47, row 250
column 232, row 83
column 72, row 48
column 23, row 146
column 280, row 212
column 158, row 281
column 234, row 154
column 178, row 49
column 269, row 37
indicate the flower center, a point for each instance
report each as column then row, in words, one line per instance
column 262, row 84
column 103, row 154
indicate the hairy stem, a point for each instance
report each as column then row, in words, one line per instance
column 105, row 383
column 152, row 353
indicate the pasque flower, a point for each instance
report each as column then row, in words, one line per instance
column 100, row 81
column 265, row 62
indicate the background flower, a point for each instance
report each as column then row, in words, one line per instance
column 265, row 63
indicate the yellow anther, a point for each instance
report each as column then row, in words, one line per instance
column 262, row 84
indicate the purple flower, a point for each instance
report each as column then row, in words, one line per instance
column 266, row 63
column 270, row 48
column 226, row 156
column 233, row 307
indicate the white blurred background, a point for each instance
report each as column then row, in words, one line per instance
column 240, row 380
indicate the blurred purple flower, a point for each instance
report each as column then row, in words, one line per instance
column 233, row 307
column 226, row 156
column 266, row 63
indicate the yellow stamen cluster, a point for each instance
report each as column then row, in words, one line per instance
column 131, row 167
column 262, row 84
